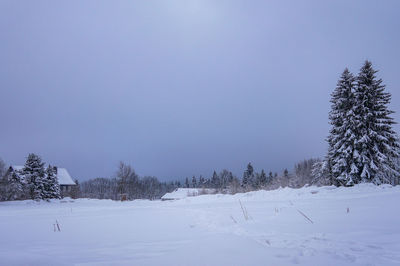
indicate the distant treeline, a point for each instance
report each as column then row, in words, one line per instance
column 127, row 182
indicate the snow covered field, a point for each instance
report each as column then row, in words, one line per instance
column 347, row 226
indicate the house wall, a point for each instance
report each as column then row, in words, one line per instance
column 66, row 190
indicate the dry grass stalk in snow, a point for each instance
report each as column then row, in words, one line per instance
column 244, row 210
column 305, row 216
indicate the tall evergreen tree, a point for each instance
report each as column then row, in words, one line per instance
column 3, row 169
column 225, row 177
column 376, row 143
column 270, row 178
column 11, row 186
column 343, row 131
column 261, row 179
column 230, row 177
column 3, row 180
column 33, row 173
column 248, row 176
column 194, row 182
column 321, row 173
column 51, row 186
column 202, row 181
column 215, row 180
column 285, row 178
column 15, row 186
column 303, row 173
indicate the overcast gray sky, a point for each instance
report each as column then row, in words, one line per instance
column 180, row 88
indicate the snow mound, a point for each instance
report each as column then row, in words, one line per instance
column 182, row 193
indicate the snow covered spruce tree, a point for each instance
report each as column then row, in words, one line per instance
column 285, row 178
column 248, row 177
column 3, row 180
column 270, row 178
column 376, row 143
column 261, row 179
column 321, row 174
column 343, row 132
column 15, row 187
column 34, row 175
column 11, row 184
column 51, row 186
column 362, row 144
column 194, row 182
column 215, row 180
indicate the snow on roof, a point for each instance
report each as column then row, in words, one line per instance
column 62, row 175
column 181, row 193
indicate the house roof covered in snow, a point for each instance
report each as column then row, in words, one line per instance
column 63, row 176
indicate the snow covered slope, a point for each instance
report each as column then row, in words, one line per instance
column 308, row 226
